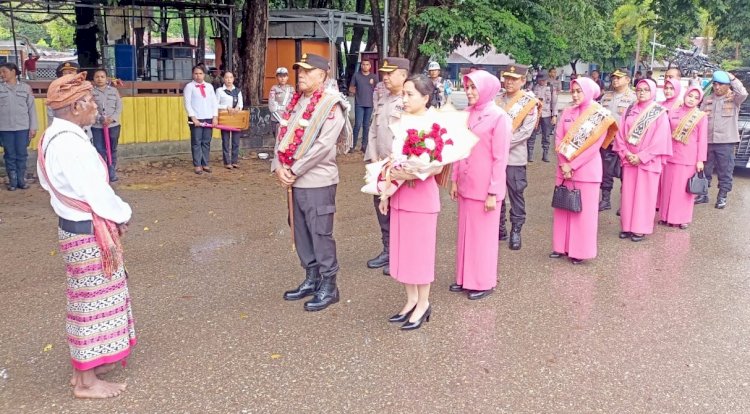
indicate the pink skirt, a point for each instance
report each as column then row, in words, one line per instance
column 638, row 200
column 575, row 233
column 412, row 246
column 477, row 245
column 676, row 202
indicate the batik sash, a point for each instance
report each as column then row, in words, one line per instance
column 519, row 107
column 586, row 130
column 687, row 125
column 643, row 122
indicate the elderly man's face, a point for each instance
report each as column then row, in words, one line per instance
column 310, row 79
column 85, row 111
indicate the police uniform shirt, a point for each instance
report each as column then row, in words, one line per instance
column 109, row 105
column 618, row 103
column 380, row 138
column 278, row 99
column 723, row 114
column 548, row 99
column 17, row 109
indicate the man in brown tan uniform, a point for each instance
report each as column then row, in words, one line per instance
column 306, row 162
column 388, row 109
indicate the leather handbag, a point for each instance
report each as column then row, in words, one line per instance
column 697, row 184
column 612, row 164
column 567, row 199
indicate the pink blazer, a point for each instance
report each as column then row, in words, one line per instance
column 697, row 146
column 483, row 172
column 424, row 197
column 587, row 166
column 655, row 146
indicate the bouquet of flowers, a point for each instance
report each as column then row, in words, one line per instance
column 423, row 144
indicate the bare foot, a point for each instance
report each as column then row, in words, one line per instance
column 99, row 371
column 99, row 389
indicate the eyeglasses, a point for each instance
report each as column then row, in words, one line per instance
column 642, row 90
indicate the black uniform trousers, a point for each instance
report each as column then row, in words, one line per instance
column 721, row 160
column 545, row 126
column 313, row 228
column 515, row 179
column 384, row 220
column 608, row 156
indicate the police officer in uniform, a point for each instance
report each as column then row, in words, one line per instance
column 722, row 108
column 522, row 107
column 388, row 109
column 279, row 96
column 547, row 96
column 617, row 101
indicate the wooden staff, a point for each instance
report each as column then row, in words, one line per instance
column 290, row 204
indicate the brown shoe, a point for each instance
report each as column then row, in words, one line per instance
column 228, row 166
column 198, row 170
column 207, row 169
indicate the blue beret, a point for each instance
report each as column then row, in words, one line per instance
column 721, row 77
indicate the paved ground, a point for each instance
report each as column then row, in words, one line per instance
column 658, row 326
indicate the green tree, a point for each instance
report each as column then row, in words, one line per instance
column 633, row 20
column 61, row 34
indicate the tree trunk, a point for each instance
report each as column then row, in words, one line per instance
column 85, row 38
column 573, row 65
column 164, row 25
column 377, row 27
column 637, row 54
column 200, row 52
column 353, row 53
column 185, row 26
column 253, row 50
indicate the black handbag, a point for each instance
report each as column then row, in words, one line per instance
column 567, row 199
column 612, row 164
column 697, row 184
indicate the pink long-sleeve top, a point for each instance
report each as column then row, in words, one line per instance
column 656, row 145
column 483, row 172
column 697, row 146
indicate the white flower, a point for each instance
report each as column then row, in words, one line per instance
column 425, row 158
column 304, row 123
column 429, row 143
column 283, row 122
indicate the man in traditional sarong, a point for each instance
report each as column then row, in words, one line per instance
column 305, row 162
column 722, row 108
column 92, row 218
column 617, row 101
column 388, row 110
column 521, row 106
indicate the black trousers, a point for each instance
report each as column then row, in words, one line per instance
column 515, row 180
column 385, row 223
column 608, row 181
column 721, row 160
column 545, row 126
column 314, row 209
column 200, row 142
column 230, row 146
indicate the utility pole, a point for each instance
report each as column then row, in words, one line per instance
column 385, row 29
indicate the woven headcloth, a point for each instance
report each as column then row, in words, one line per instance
column 67, row 89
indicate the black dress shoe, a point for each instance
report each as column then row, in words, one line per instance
column 387, row 270
column 683, row 226
column 721, row 202
column 399, row 318
column 618, row 212
column 455, row 287
column 605, row 205
column 662, row 222
column 637, row 237
column 625, row 234
column 410, row 326
column 701, row 199
column 556, row 255
column 378, row 262
column 576, row 261
column 515, row 238
column 479, row 294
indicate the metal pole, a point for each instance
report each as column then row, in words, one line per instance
column 15, row 45
column 229, row 64
column 653, row 51
column 385, row 29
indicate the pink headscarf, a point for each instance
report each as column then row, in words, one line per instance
column 677, row 88
column 590, row 90
column 694, row 88
column 651, row 86
column 487, row 84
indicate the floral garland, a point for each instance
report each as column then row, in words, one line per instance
column 286, row 157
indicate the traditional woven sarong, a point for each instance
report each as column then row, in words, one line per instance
column 99, row 323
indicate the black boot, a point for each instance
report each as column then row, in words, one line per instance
column 531, row 154
column 21, row 180
column 307, row 287
column 545, row 155
column 503, row 231
column 515, row 237
column 701, row 199
column 379, row 261
column 604, row 204
column 326, row 295
column 721, row 200
column 113, row 173
column 12, row 180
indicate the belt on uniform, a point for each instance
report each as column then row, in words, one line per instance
column 76, row 227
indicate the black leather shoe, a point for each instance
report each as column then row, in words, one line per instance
column 701, row 199
column 662, row 222
column 545, row 156
column 618, row 212
column 556, row 255
column 515, row 238
column 455, row 287
column 387, row 270
column 378, row 262
column 683, row 226
column 306, row 288
column 637, row 237
column 325, row 296
column 399, row 318
column 721, row 202
column 605, row 205
column 410, row 326
column 625, row 234
column 479, row 294
column 576, row 261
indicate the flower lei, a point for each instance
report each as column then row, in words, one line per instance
column 286, row 157
column 424, row 142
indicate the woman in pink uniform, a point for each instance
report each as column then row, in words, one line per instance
column 689, row 148
column 478, row 182
column 585, row 126
column 672, row 90
column 414, row 215
column 643, row 142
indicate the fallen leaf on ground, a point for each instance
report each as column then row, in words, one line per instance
column 275, row 356
column 47, row 348
column 146, row 229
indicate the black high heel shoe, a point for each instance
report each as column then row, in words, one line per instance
column 399, row 318
column 410, row 326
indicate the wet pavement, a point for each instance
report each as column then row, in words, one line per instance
column 660, row 326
